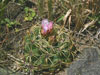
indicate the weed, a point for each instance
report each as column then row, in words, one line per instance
column 29, row 14
column 9, row 23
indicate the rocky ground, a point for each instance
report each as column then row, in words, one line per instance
column 87, row 64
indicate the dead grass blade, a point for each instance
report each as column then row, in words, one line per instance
column 66, row 16
column 88, row 24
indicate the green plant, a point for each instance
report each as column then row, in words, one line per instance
column 9, row 23
column 45, row 56
column 29, row 14
column 60, row 19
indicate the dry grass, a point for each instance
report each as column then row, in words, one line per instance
column 81, row 11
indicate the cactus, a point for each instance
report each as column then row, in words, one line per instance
column 43, row 54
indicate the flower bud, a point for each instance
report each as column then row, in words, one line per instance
column 46, row 27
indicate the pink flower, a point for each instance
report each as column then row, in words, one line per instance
column 50, row 26
column 46, row 27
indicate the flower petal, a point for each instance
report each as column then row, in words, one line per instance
column 50, row 25
column 45, row 22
